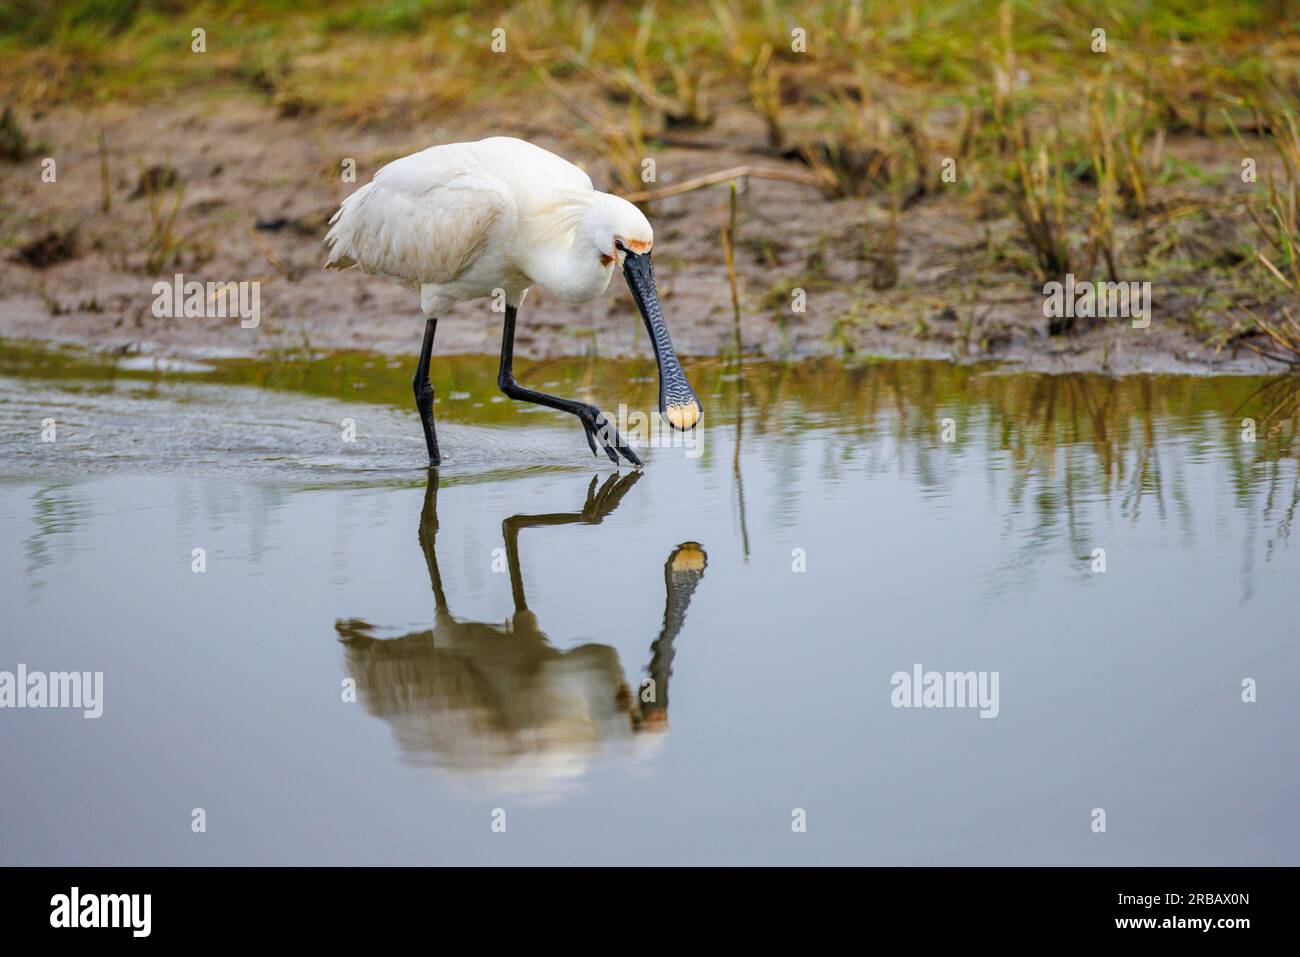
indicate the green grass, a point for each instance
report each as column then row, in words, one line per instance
column 127, row 45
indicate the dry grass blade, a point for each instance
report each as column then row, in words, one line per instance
column 722, row 176
column 1040, row 206
column 166, row 243
column 622, row 146
column 729, row 252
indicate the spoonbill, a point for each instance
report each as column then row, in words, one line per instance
column 495, row 217
column 506, row 700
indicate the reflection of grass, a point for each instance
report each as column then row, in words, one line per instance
column 358, row 376
column 59, row 515
column 1034, row 416
column 1062, row 441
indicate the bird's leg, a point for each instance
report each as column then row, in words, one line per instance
column 593, row 420
column 424, row 392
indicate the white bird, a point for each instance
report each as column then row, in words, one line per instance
column 465, row 220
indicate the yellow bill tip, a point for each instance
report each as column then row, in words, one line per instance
column 683, row 417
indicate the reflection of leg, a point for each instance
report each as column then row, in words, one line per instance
column 510, row 532
column 428, row 535
column 682, row 573
column 600, row 503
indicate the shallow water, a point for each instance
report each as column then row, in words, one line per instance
column 496, row 628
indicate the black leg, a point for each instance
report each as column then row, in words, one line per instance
column 424, row 393
column 593, row 420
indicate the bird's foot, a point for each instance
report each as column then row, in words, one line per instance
column 599, row 428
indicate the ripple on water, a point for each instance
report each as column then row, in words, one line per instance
column 202, row 428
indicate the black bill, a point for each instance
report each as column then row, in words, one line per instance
column 677, row 401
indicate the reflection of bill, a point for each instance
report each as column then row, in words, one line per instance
column 682, row 572
column 499, row 701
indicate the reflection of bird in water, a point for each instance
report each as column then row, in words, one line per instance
column 500, row 700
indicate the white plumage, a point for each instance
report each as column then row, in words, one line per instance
column 469, row 218
column 424, row 218
column 466, row 220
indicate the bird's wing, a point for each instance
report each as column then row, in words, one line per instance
column 423, row 218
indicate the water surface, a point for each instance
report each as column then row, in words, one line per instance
column 377, row 664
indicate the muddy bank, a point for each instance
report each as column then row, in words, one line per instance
column 230, row 190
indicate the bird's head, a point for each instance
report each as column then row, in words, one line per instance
column 618, row 228
column 622, row 235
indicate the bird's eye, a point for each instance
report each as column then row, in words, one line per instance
column 618, row 244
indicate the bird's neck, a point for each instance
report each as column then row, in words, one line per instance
column 571, row 271
column 559, row 253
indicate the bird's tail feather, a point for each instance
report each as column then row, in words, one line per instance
column 342, row 230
